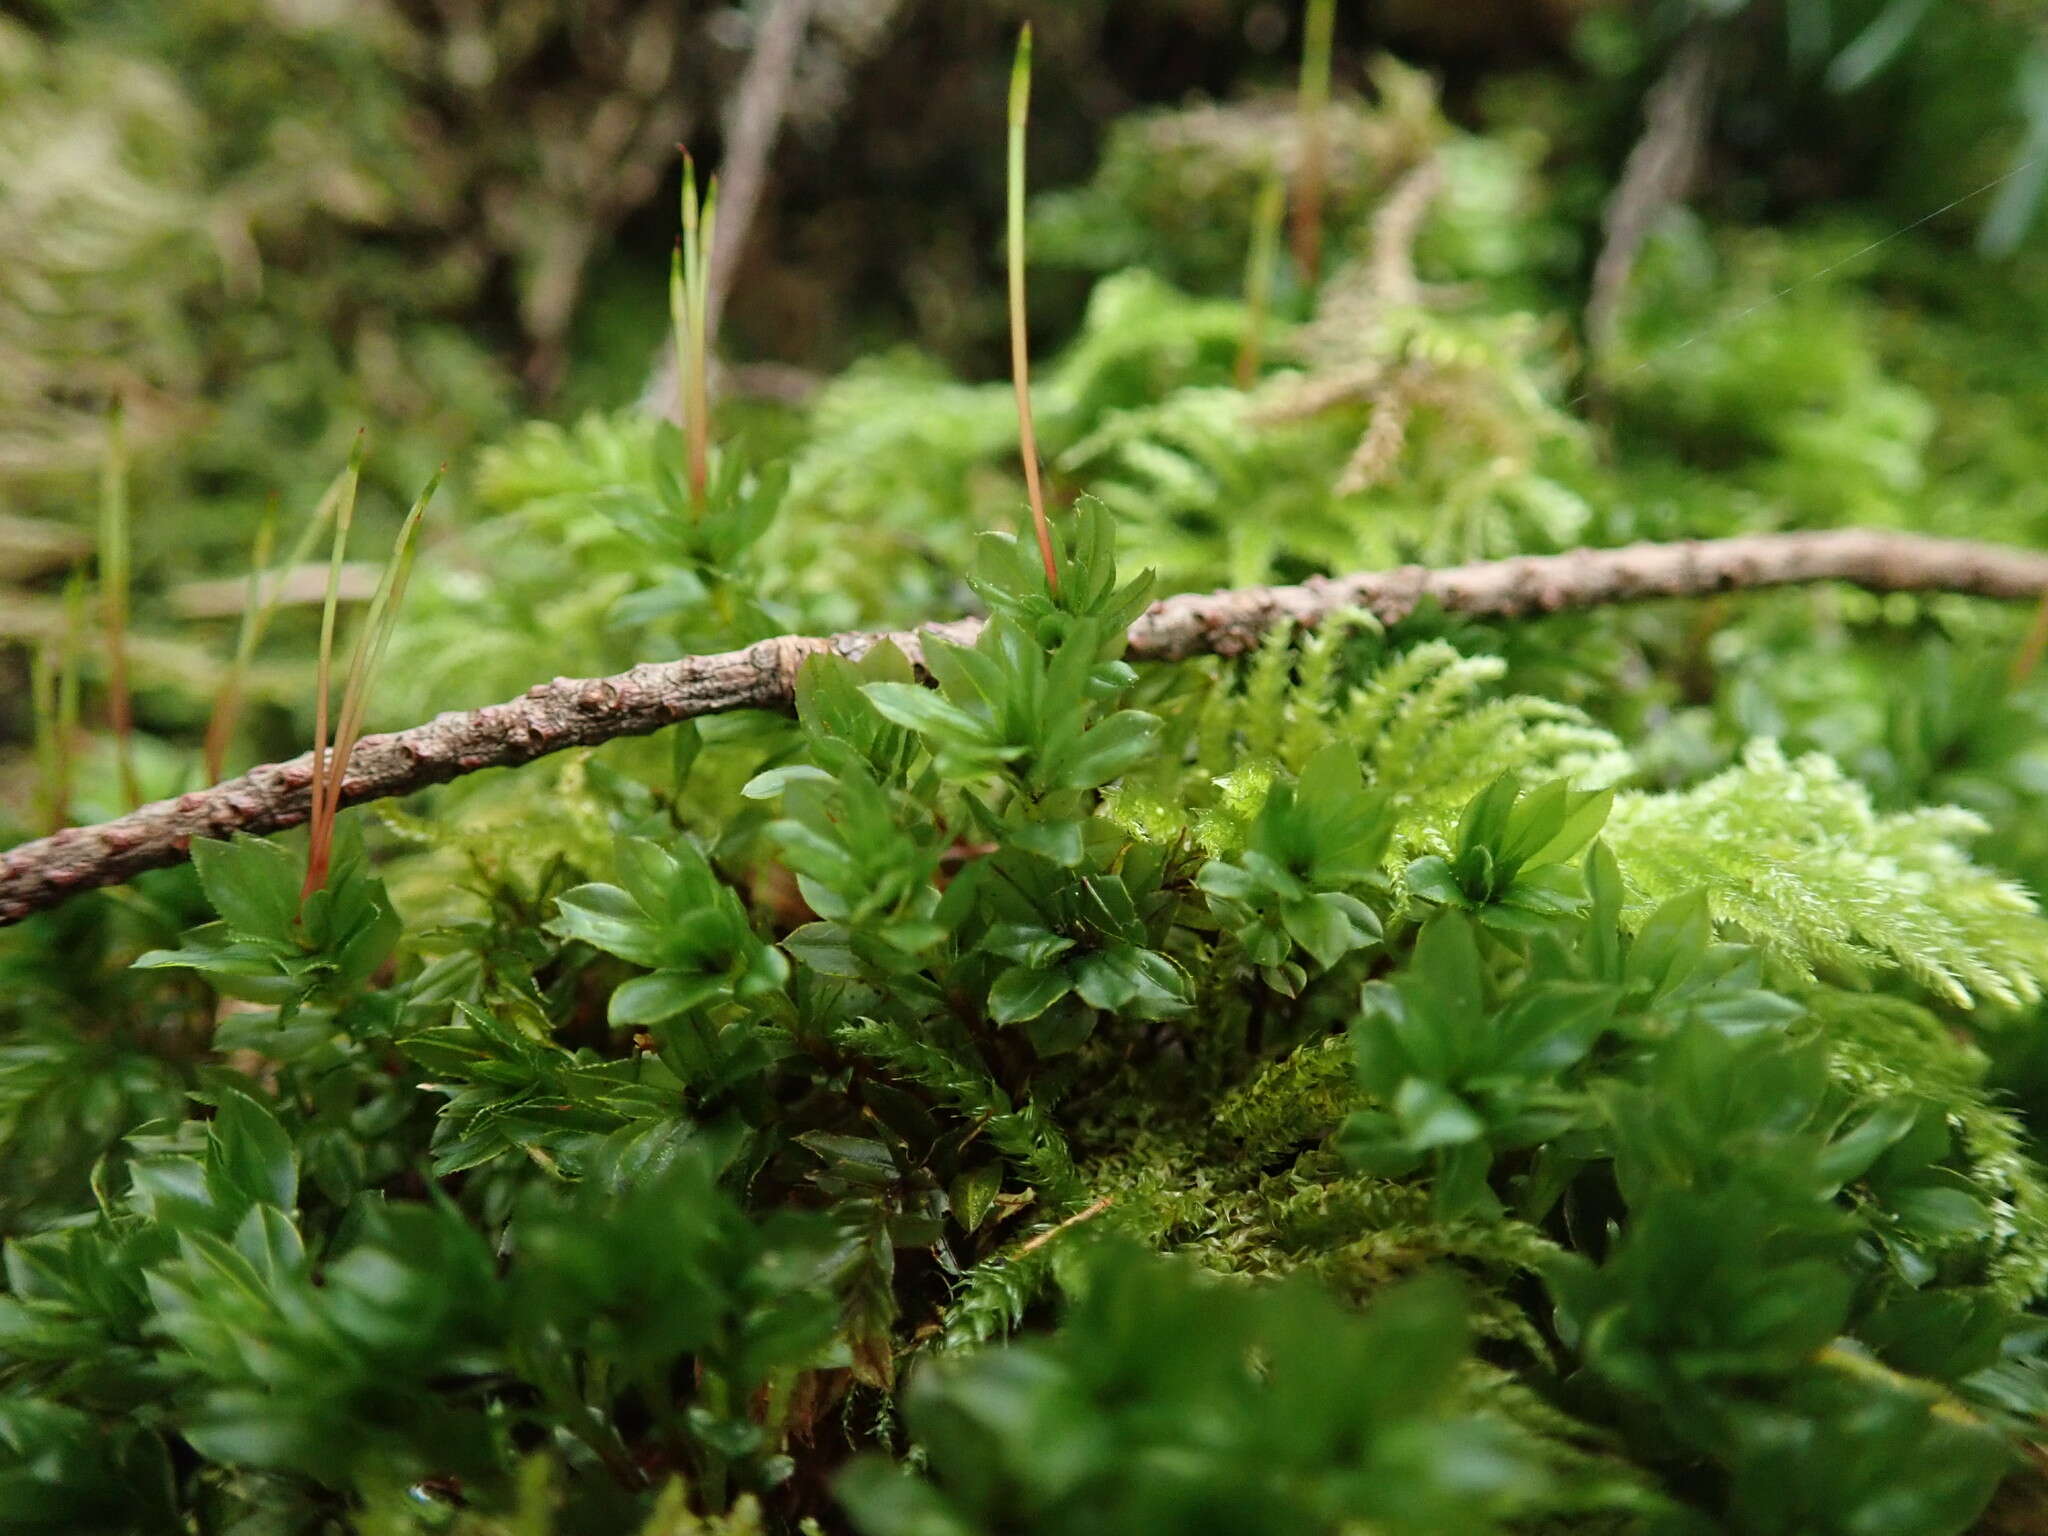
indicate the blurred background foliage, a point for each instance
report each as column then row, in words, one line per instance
column 266, row 224
column 1592, row 272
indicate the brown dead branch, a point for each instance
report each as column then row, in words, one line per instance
column 580, row 712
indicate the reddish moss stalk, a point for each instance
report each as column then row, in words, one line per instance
column 2028, row 656
column 371, row 643
column 1020, row 351
column 323, row 678
column 114, row 588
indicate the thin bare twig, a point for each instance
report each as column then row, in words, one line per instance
column 1088, row 1213
column 579, row 712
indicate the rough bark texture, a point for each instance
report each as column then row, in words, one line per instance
column 573, row 712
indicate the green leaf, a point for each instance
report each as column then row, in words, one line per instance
column 1064, row 1027
column 1447, row 961
column 885, row 1499
column 249, row 1152
column 1329, row 926
column 253, row 884
column 1372, row 1141
column 921, row 710
column 1582, row 818
column 1022, row 993
column 1671, row 943
column 1430, row 878
column 606, row 918
column 661, row 996
column 1937, row 1213
column 270, row 1244
column 766, row 786
column 1057, row 841
column 826, row 948
column 1431, row 1116
column 1485, row 822
column 1849, row 1156
column 973, row 1194
column 1110, row 750
column 1219, row 877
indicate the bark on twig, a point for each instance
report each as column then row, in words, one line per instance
column 570, row 712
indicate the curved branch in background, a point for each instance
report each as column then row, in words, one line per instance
column 595, row 167
column 751, row 129
column 572, row 712
column 750, row 136
column 1659, row 172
